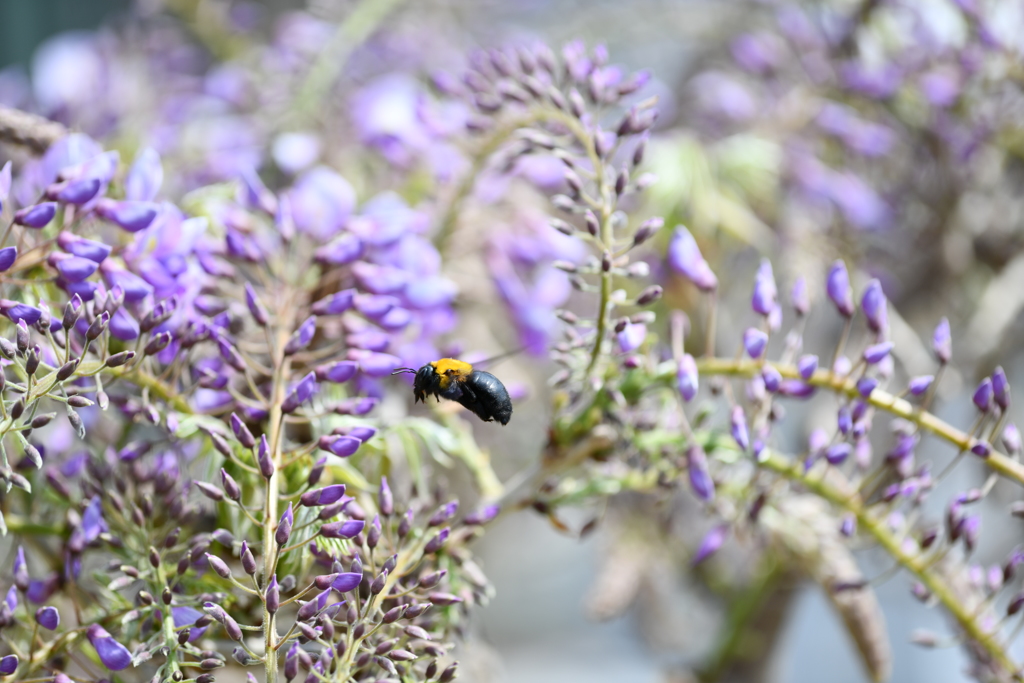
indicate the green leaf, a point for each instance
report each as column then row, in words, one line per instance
column 349, row 475
column 194, row 423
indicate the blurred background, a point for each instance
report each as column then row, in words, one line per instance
column 887, row 133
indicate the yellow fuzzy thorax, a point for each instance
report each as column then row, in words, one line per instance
column 449, row 368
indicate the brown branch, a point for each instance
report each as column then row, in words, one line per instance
column 29, row 130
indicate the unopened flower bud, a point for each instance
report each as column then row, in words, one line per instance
column 378, row 583
column 649, row 295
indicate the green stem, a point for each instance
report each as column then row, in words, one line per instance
column 275, row 439
column 915, row 564
column 350, row 34
column 745, row 612
column 997, row 461
column 170, row 637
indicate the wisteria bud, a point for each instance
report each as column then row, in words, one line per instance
column 649, row 295
column 272, row 596
column 378, row 583
column 118, row 359
column 1001, row 388
column 838, row 288
column 385, row 499
column 263, row 458
column 942, row 342
column 647, row 229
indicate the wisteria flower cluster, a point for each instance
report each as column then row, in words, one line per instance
column 208, row 464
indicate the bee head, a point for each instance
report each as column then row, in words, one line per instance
column 426, row 382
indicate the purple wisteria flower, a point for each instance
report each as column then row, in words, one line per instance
column 8, row 255
column 876, row 353
column 765, row 291
column 1012, row 438
column 113, row 655
column 800, row 297
column 145, row 176
column 344, row 529
column 321, row 201
column 755, row 342
column 875, row 307
column 711, row 543
column 38, row 216
column 806, row 365
column 687, row 378
column 300, row 393
column 482, row 516
column 48, row 618
column 838, row 287
column 8, row 665
column 19, row 312
column 1001, row 388
column 738, row 427
column 685, row 258
column 323, row 496
column 700, row 478
column 983, row 395
column 631, row 337
column 942, row 341
column 340, row 445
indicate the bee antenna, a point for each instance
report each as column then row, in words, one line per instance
column 401, row 371
column 501, row 356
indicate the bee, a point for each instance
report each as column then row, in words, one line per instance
column 479, row 391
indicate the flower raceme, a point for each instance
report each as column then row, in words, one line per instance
column 202, row 362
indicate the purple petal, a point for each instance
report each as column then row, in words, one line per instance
column 378, row 364
column 321, row 202
column 112, row 654
column 18, row 311
column 799, row 296
column 342, row 446
column 76, row 191
column 342, row 371
column 346, row 529
column 134, row 287
column 919, row 385
column 145, row 176
column 710, row 544
column 79, row 246
column 876, row 352
column 8, row 255
column 765, row 291
column 335, row 304
column 631, row 337
column 838, row 288
column 942, row 341
column 343, row 249
column 983, row 395
column 807, row 365
column 874, row 305
column 48, row 618
column 73, row 268
column 129, row 215
column 37, row 216
column 687, row 378
column 684, row 257
column 8, row 665
column 347, row 581
column 123, row 326
column 755, row 341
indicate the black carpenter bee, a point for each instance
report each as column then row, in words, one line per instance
column 479, row 391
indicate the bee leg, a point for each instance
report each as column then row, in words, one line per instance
column 470, row 401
